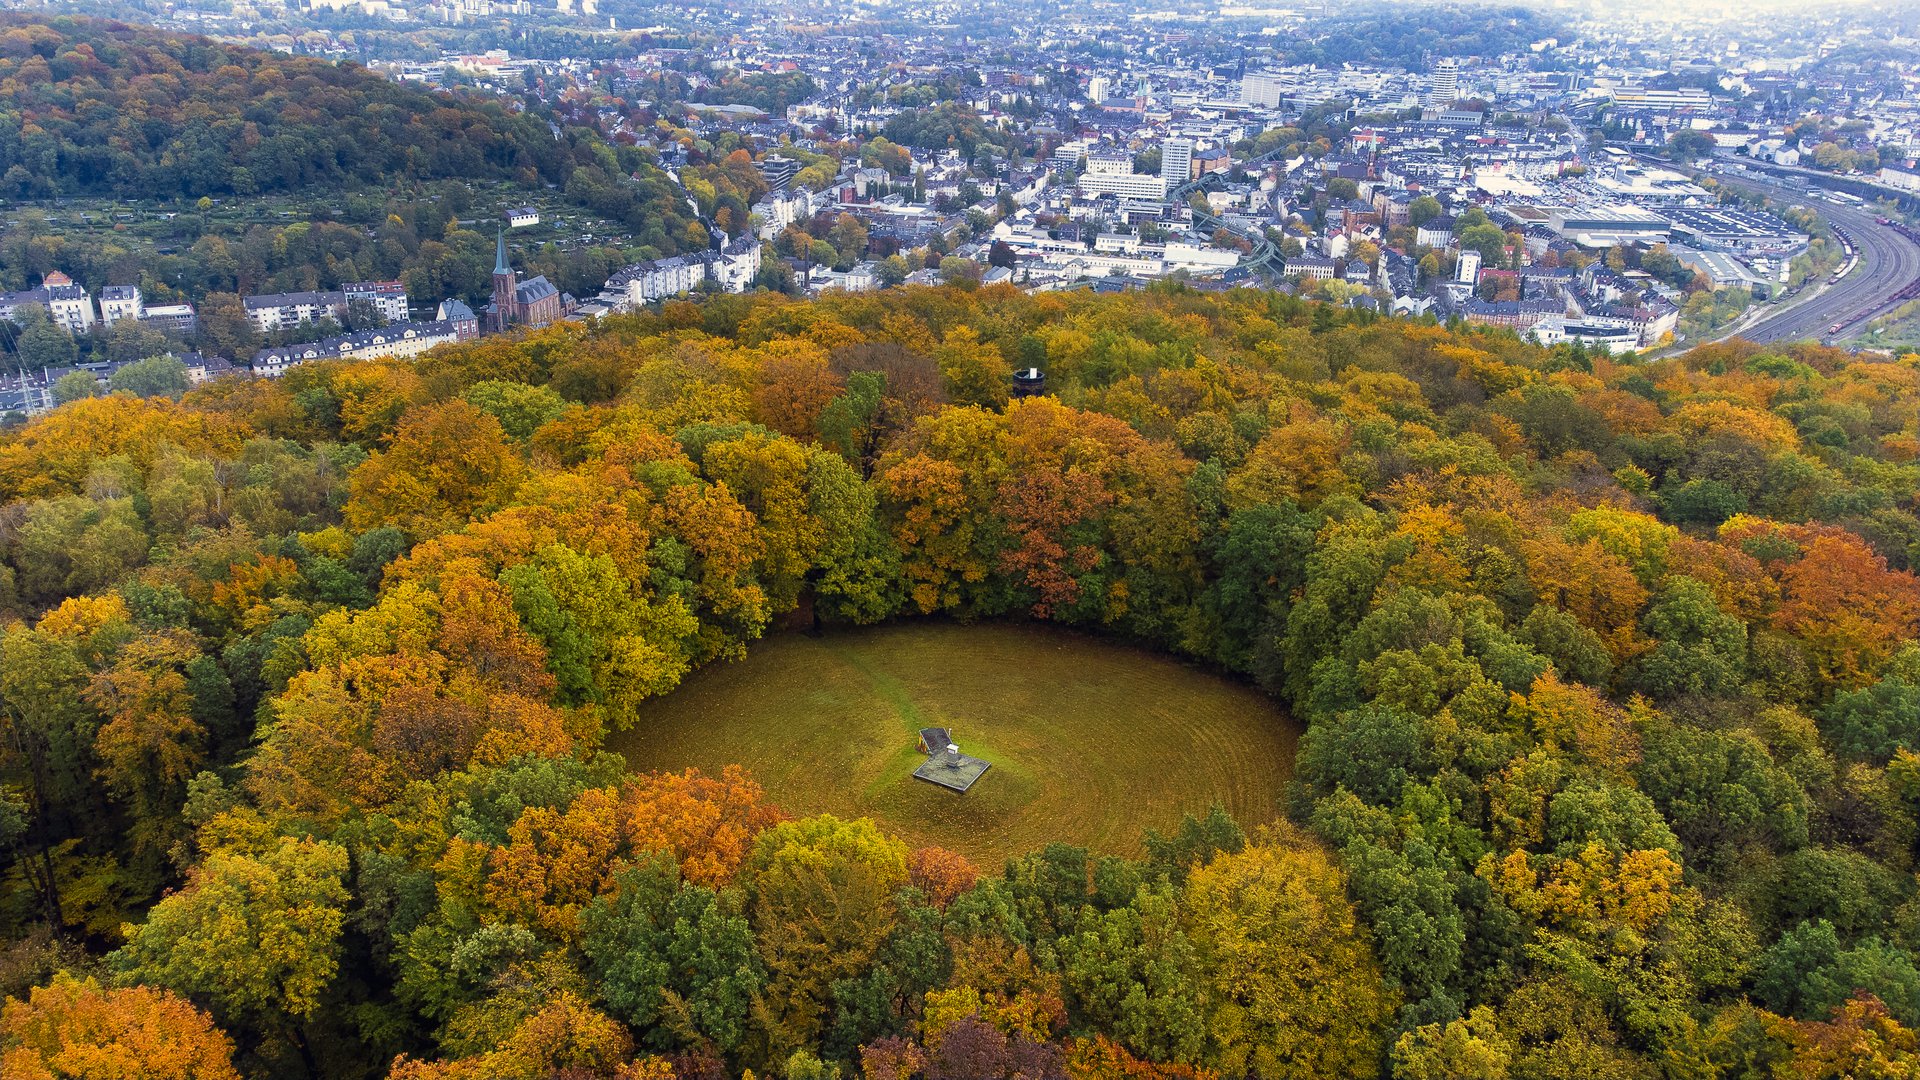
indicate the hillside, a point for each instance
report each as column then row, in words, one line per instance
column 1611, row 694
column 94, row 107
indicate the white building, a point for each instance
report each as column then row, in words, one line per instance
column 1069, row 155
column 389, row 298
column 736, row 265
column 643, row 283
column 69, row 306
column 399, row 341
column 1468, row 269
column 1110, row 172
column 522, row 216
column 1639, row 97
column 1199, row 258
column 1265, row 91
column 1437, row 233
column 1446, row 82
column 1313, row 267
column 781, row 209
column 277, row 311
column 1900, row 179
column 121, row 302
column 1613, row 335
column 1108, row 161
column 1176, row 161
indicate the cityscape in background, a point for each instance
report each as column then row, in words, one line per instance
column 1621, row 180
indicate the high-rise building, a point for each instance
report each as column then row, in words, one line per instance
column 1176, row 162
column 1468, row 272
column 1262, row 90
column 1446, row 81
column 1098, row 88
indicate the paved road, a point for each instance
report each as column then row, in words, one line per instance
column 1889, row 262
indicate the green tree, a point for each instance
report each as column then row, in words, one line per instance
column 257, row 936
column 42, row 343
column 1875, row 721
column 1132, row 973
column 156, row 376
column 128, row 341
column 674, row 960
column 823, row 904
column 1807, row 974
column 224, row 328
column 1698, row 649
column 75, row 385
column 955, row 270
column 521, row 409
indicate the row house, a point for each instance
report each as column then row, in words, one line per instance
column 399, row 341
column 733, row 268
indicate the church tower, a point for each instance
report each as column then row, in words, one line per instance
column 504, row 287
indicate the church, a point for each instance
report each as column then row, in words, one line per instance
column 534, row 302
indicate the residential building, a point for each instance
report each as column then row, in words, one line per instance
column 466, row 325
column 1436, row 233
column 643, row 283
column 736, row 265
column 278, row 311
column 1468, row 269
column 1521, row 315
column 1900, row 179
column 69, row 306
column 1313, row 266
column 120, row 302
column 401, row 340
column 387, row 298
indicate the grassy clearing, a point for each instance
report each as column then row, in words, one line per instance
column 1091, row 742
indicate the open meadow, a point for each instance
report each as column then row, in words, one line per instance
column 1090, row 741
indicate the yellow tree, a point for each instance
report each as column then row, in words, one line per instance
column 1296, row 989
column 258, row 936
column 150, row 744
column 445, row 463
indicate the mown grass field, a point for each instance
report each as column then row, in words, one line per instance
column 1091, row 742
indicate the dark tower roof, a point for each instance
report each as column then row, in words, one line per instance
column 500, row 253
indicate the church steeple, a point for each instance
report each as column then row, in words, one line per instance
column 505, row 288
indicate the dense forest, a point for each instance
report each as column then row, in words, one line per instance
column 1415, row 37
column 1609, row 675
column 99, row 107
column 94, row 107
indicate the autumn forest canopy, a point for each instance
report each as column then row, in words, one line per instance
column 1608, row 674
